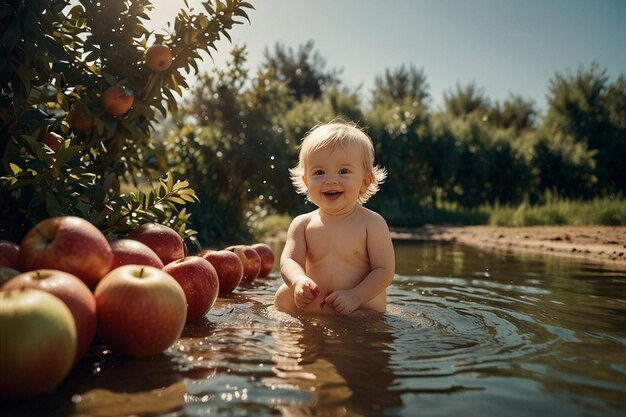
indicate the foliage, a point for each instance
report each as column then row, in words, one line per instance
column 303, row 71
column 399, row 132
column 556, row 210
column 57, row 60
column 400, row 84
column 586, row 110
column 229, row 148
column 515, row 113
column 465, row 100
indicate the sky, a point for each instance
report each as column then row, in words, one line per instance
column 503, row 46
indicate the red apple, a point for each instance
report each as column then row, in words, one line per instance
column 163, row 240
column 69, row 244
column 267, row 258
column 53, row 140
column 72, row 291
column 141, row 310
column 199, row 281
column 37, row 342
column 117, row 100
column 9, row 254
column 80, row 118
column 229, row 269
column 159, row 57
column 133, row 252
column 250, row 259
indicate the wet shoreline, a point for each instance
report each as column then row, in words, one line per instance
column 601, row 244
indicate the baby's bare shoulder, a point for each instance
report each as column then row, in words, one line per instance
column 370, row 217
column 302, row 220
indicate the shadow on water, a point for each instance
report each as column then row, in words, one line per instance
column 468, row 332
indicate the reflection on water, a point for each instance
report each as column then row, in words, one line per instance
column 468, row 332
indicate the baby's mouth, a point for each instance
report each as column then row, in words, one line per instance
column 332, row 195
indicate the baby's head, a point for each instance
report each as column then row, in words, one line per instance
column 338, row 133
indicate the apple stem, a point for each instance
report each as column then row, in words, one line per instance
column 141, row 273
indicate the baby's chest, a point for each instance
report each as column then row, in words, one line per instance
column 347, row 243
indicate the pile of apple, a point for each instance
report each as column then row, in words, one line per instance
column 136, row 293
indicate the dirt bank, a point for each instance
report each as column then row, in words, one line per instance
column 604, row 244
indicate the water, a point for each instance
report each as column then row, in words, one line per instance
column 468, row 332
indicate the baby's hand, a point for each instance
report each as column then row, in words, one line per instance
column 305, row 290
column 342, row 302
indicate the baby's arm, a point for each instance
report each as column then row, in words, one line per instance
column 292, row 263
column 382, row 261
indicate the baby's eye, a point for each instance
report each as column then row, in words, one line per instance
column 344, row 171
column 318, row 172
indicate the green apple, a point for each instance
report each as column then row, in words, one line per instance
column 37, row 342
column 69, row 289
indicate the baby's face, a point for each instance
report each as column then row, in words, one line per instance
column 336, row 178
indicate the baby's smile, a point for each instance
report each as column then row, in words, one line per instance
column 332, row 195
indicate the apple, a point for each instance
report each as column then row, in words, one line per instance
column 9, row 254
column 250, row 259
column 199, row 281
column 70, row 244
column 53, row 140
column 80, row 118
column 228, row 267
column 159, row 57
column 117, row 100
column 72, row 291
column 37, row 342
column 133, row 252
column 163, row 240
column 141, row 310
column 267, row 258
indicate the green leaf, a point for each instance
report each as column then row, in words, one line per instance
column 14, row 168
column 52, row 203
column 176, row 200
column 54, row 50
column 180, row 185
column 110, row 79
column 189, row 198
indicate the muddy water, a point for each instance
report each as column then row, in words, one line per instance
column 468, row 332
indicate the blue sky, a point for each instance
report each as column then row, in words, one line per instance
column 504, row 46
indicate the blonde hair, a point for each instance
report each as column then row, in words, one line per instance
column 338, row 133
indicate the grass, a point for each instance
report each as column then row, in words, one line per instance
column 556, row 211
column 416, row 216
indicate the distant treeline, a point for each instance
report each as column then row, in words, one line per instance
column 237, row 135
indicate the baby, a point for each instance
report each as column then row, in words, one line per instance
column 338, row 258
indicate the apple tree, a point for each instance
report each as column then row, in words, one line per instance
column 68, row 146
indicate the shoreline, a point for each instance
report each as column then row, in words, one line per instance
column 599, row 244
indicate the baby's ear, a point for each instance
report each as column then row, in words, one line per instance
column 304, row 180
column 368, row 180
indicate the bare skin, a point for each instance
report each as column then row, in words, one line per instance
column 338, row 258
